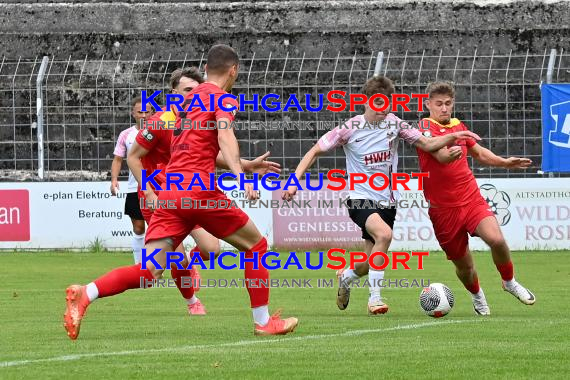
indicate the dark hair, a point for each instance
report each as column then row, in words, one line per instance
column 440, row 88
column 221, row 58
column 187, row 72
column 378, row 85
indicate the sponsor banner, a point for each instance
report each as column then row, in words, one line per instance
column 555, row 127
column 73, row 215
column 533, row 214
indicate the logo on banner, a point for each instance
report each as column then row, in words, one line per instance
column 14, row 215
column 560, row 136
column 498, row 201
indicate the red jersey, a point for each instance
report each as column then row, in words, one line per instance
column 194, row 147
column 157, row 142
column 448, row 185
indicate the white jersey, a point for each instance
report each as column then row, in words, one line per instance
column 371, row 150
column 124, row 145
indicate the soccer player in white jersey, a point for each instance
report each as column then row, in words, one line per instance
column 371, row 150
column 132, row 208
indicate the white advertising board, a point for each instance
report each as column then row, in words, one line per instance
column 533, row 214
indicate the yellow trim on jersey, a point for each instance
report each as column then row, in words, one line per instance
column 168, row 117
column 452, row 123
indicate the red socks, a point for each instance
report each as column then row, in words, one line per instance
column 121, row 279
column 474, row 286
column 258, row 293
column 506, row 270
column 186, row 290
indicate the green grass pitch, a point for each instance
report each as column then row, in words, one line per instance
column 148, row 332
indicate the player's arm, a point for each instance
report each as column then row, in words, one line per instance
column 306, row 163
column 230, row 151
column 115, row 169
column 485, row 157
column 434, row 144
column 134, row 161
column 448, row 155
column 119, row 152
column 258, row 165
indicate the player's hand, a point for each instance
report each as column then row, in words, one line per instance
column 465, row 135
column 517, row 163
column 114, row 186
column 455, row 153
column 261, row 166
column 250, row 194
column 289, row 194
column 150, row 197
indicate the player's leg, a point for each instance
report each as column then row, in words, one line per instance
column 376, row 225
column 488, row 229
column 132, row 209
column 206, row 245
column 181, row 277
column 346, row 277
column 239, row 231
column 379, row 226
column 449, row 227
column 114, row 282
column 465, row 270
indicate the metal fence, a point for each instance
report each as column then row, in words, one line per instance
column 85, row 104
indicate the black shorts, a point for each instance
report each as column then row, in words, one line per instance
column 132, row 206
column 359, row 211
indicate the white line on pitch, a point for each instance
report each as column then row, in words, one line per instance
column 230, row 344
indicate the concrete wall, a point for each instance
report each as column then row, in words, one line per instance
column 38, row 27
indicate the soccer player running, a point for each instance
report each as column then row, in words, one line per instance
column 169, row 227
column 371, row 150
column 132, row 209
column 151, row 150
column 456, row 205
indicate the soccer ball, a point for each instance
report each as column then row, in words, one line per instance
column 436, row 300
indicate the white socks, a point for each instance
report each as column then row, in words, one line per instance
column 510, row 284
column 375, row 278
column 261, row 315
column 92, row 291
column 138, row 245
column 348, row 276
column 192, row 300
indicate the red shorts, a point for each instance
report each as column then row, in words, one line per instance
column 452, row 224
column 177, row 222
column 148, row 213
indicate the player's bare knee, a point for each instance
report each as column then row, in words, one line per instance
column 138, row 228
column 156, row 273
column 381, row 236
column 212, row 247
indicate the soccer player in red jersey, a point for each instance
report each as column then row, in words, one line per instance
column 456, row 205
column 151, row 150
column 195, row 151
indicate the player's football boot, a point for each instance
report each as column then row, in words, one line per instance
column 276, row 325
column 523, row 294
column 376, row 307
column 480, row 304
column 195, row 275
column 197, row 308
column 343, row 294
column 77, row 302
